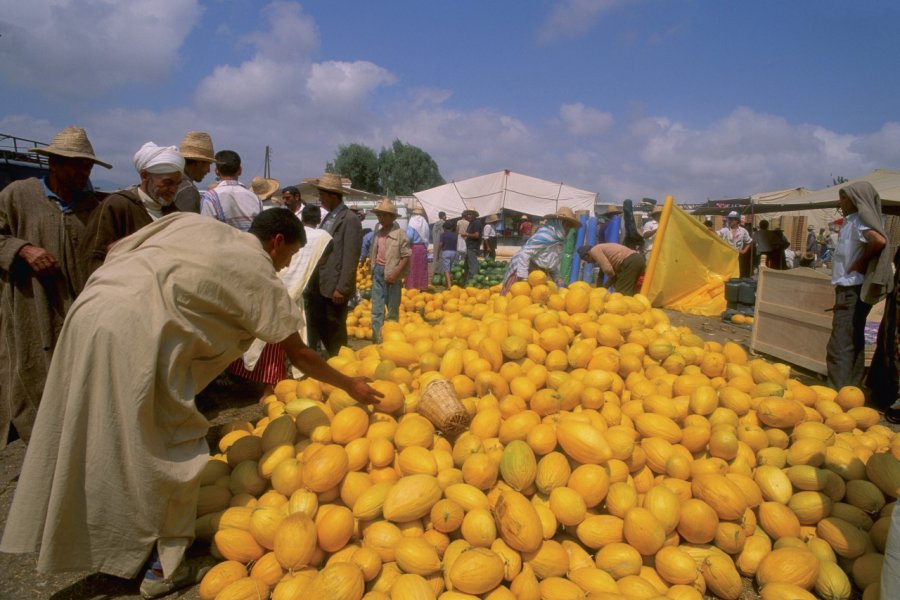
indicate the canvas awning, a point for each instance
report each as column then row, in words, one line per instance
column 489, row 193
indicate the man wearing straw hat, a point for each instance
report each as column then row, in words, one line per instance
column 41, row 271
column 230, row 201
column 197, row 150
column 334, row 281
column 125, row 211
column 390, row 256
column 265, row 188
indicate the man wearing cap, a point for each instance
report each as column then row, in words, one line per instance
column 334, row 281
column 621, row 265
column 125, row 211
column 734, row 235
column 390, row 256
column 197, row 151
column 230, row 201
column 42, row 222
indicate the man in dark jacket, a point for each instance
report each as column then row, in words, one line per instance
column 334, row 281
column 124, row 212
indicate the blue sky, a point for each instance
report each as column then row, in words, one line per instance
column 628, row 98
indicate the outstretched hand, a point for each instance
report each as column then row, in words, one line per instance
column 362, row 392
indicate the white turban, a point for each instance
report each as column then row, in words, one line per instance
column 158, row 159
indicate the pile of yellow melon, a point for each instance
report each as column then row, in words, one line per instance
column 610, row 455
column 415, row 305
column 363, row 276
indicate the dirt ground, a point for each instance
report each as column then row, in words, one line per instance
column 220, row 405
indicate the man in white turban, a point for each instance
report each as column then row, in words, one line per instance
column 125, row 211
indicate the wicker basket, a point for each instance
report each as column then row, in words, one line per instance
column 440, row 405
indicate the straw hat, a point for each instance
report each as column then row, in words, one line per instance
column 491, row 219
column 524, row 217
column 197, row 145
column 612, row 209
column 565, row 213
column 71, row 142
column 386, row 207
column 329, row 182
column 418, row 210
column 264, row 188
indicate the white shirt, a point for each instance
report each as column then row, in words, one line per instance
column 650, row 226
column 736, row 238
column 153, row 208
column 850, row 245
column 488, row 231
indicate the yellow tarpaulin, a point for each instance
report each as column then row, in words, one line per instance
column 688, row 265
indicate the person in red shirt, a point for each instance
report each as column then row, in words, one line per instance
column 525, row 227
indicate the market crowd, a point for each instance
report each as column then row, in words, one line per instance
column 118, row 310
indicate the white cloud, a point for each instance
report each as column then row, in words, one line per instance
column 573, row 18
column 84, row 48
column 581, row 120
column 339, row 86
column 303, row 107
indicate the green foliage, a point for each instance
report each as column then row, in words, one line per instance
column 360, row 164
column 406, row 169
column 399, row 170
column 840, row 179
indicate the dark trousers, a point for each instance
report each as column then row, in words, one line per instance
column 490, row 248
column 627, row 276
column 326, row 322
column 845, row 352
column 471, row 263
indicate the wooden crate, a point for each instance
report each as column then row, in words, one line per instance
column 793, row 316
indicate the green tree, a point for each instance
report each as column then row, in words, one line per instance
column 840, row 179
column 360, row 164
column 405, row 169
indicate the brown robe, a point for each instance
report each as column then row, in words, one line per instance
column 120, row 214
column 32, row 309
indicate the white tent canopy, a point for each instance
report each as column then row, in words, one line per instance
column 786, row 201
column 886, row 181
column 820, row 206
column 489, row 193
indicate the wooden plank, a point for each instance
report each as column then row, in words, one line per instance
column 792, row 321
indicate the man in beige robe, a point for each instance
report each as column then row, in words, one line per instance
column 41, row 271
column 113, row 469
